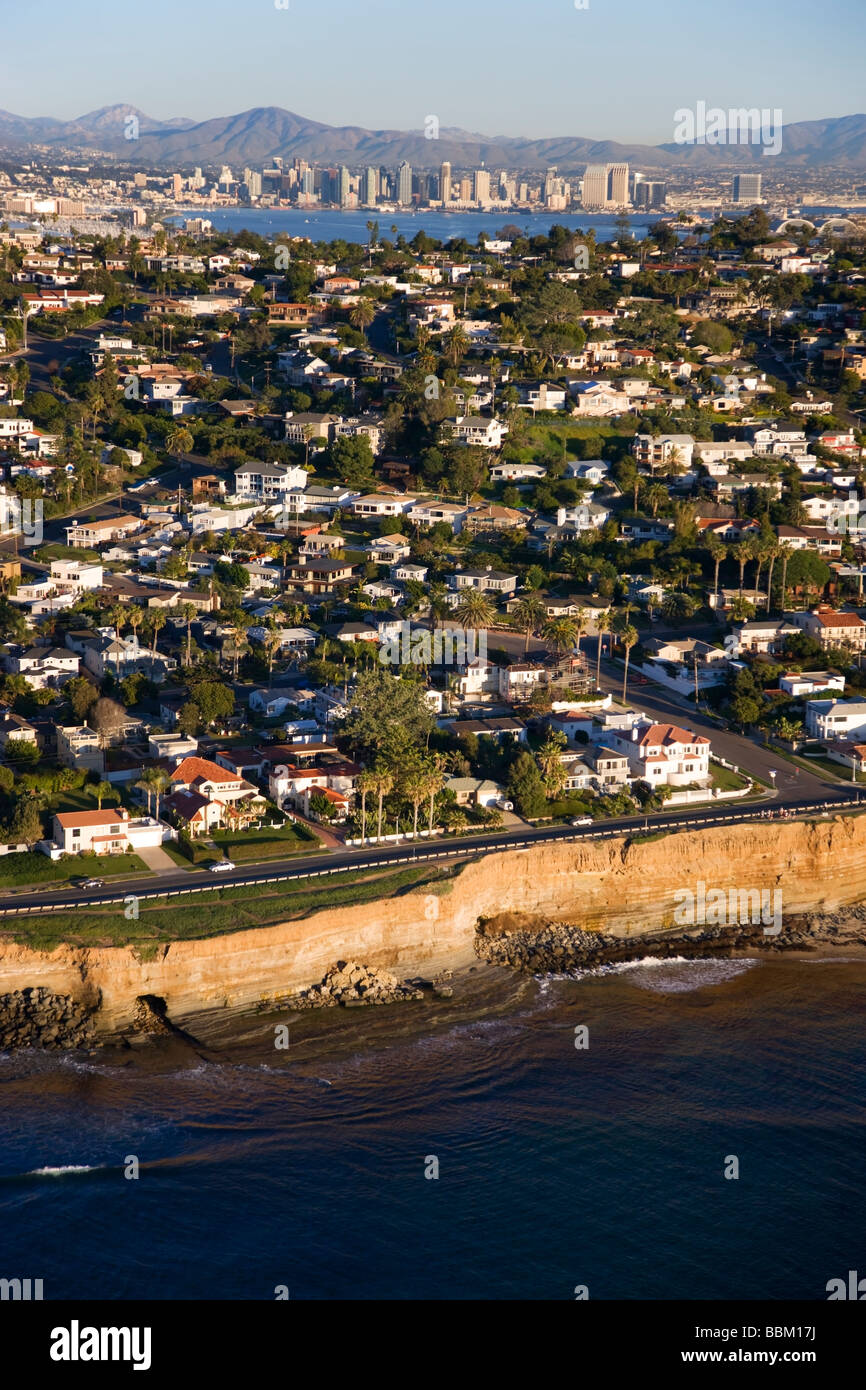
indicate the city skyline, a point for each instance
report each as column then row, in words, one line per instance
column 735, row 64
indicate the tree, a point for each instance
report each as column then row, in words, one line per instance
column 179, row 441
column 81, row 694
column 189, row 719
column 390, row 715
column 352, row 459
column 107, row 717
column 525, row 787
column 156, row 621
column 528, row 616
column 188, row 613
column 549, row 756
column 413, row 785
column 101, row 791
column 475, row 609
column 25, row 827
column 717, row 553
column 214, row 701
column 628, row 638
column 21, row 751
column 382, row 786
column 435, row 781
column 366, row 784
column 362, row 314
column 602, row 625
column 560, row 634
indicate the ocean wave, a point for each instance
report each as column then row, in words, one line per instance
column 64, row 1170
column 669, row 974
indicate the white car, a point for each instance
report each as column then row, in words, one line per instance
column 222, row 866
column 582, row 820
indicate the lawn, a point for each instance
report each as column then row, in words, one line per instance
column 17, row 870
column 725, row 780
column 216, row 913
column 246, row 846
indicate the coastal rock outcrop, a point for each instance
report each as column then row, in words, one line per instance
column 351, row 984
column 39, row 1018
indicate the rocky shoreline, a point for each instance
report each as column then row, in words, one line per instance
column 521, row 943
column 534, row 946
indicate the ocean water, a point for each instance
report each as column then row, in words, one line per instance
column 558, row 1166
column 331, row 224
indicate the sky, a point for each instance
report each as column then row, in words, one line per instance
column 618, row 69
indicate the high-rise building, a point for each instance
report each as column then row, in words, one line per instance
column 404, row 184
column 308, row 181
column 465, row 189
column 747, row 188
column 594, row 194
column 445, row 182
column 370, row 186
column 617, row 185
column 482, row 186
column 176, row 185
column 253, row 181
column 343, row 185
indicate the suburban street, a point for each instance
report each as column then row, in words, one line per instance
column 522, row 837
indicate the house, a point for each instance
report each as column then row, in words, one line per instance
column 45, row 666
column 475, row 791
column 665, row 755
column 111, row 831
column 270, row 703
column 80, row 746
column 267, row 482
column 90, row 535
column 763, row 635
column 319, row 577
column 661, row 450
column 517, row 472
column 486, row 581
column 597, row 398
column 799, row 683
column 495, row 517
column 16, row 730
column 834, row 629
column 389, row 550
column 542, row 395
column 75, row 576
column 229, row 797
column 476, row 429
column 432, row 513
column 836, row 720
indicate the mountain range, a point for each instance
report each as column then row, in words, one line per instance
column 254, row 137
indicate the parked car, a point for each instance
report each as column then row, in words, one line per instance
column 222, row 866
column 503, row 804
column 582, row 820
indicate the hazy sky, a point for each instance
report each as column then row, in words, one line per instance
column 617, row 70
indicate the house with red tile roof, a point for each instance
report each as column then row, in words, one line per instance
column 664, row 755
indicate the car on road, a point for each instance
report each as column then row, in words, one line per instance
column 582, row 820
column 222, row 866
column 91, row 883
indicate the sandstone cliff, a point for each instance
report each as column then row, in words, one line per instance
column 619, row 887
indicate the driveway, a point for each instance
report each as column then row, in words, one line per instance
column 157, row 860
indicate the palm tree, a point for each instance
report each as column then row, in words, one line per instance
column 786, row 555
column 414, row 788
column 101, row 791
column 742, row 555
column 179, row 441
column 656, row 494
column 367, row 782
column 717, row 553
column 156, row 620
column 528, row 616
column 135, row 616
column 475, row 609
column 602, row 625
column 560, row 634
column 272, row 642
column 580, row 621
column 550, row 761
column 628, row 638
column 384, row 785
column 147, row 784
column 187, row 614
column 363, row 314
column 774, row 550
column 456, row 344
column 116, row 615
column 435, row 781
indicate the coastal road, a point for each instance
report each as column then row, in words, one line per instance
column 325, row 864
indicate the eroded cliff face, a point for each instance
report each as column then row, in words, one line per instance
column 618, row 887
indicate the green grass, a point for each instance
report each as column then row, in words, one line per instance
column 174, row 854
column 55, row 551
column 17, row 870
column 245, row 846
column 225, row 910
column 725, row 779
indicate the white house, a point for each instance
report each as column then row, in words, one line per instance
column 836, row 719
column 664, row 755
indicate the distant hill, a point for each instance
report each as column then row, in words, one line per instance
column 255, row 137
